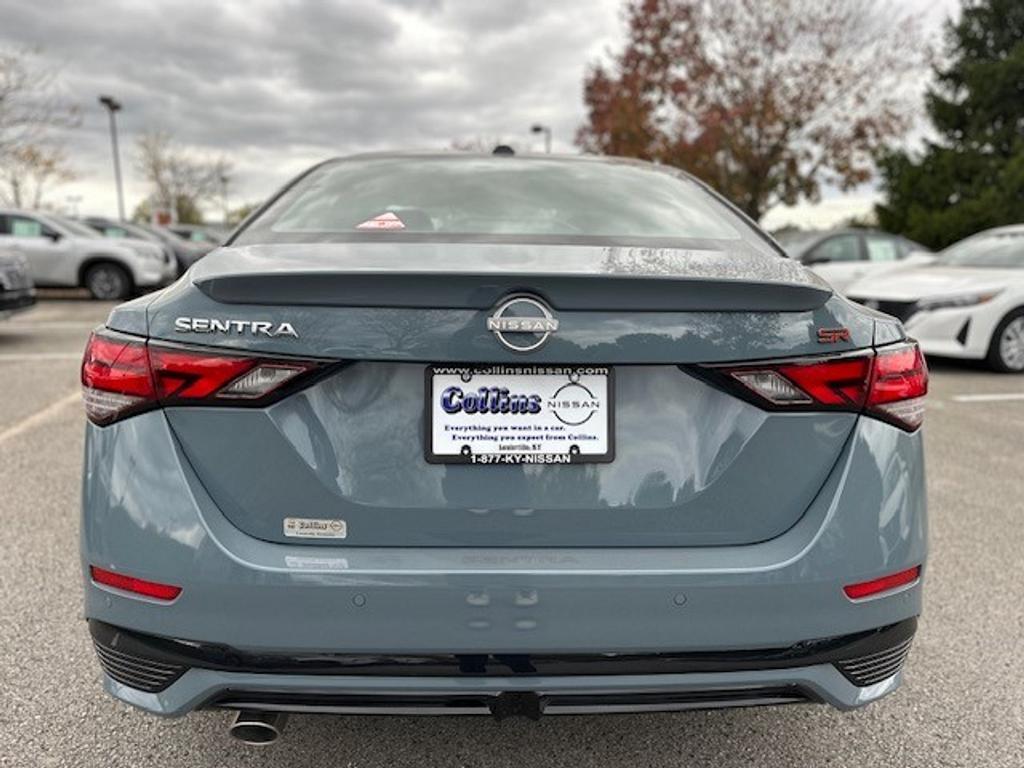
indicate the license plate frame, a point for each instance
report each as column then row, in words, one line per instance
column 597, row 381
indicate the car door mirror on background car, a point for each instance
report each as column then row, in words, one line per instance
column 51, row 235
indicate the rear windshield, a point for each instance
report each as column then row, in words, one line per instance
column 498, row 199
column 995, row 250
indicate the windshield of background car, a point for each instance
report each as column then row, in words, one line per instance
column 500, row 199
column 797, row 242
column 167, row 237
column 997, row 250
column 73, row 227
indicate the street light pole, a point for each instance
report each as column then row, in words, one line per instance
column 113, row 106
column 224, row 195
column 546, row 130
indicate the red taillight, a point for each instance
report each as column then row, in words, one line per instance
column 115, row 377
column 885, row 584
column 193, row 375
column 889, row 384
column 899, row 382
column 122, row 375
column 130, row 584
column 842, row 382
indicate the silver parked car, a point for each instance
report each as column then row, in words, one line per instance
column 844, row 256
column 185, row 252
column 16, row 290
column 62, row 253
column 464, row 434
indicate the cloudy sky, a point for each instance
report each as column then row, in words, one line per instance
column 277, row 86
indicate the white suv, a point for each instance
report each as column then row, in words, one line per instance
column 64, row 253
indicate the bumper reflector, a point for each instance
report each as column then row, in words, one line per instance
column 142, row 587
column 884, row 584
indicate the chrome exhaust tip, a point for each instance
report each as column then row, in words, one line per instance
column 258, row 728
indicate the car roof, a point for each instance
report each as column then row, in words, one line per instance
column 1008, row 229
column 454, row 154
column 20, row 212
column 530, row 157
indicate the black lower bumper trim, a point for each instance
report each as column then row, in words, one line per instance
column 182, row 653
column 505, row 704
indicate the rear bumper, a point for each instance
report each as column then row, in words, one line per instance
column 955, row 332
column 169, row 677
column 155, row 521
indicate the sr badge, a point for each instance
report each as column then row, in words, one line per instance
column 833, row 335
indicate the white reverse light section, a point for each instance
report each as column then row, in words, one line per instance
column 100, row 405
column 910, row 412
column 773, row 387
column 260, row 381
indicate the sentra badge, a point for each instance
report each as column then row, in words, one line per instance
column 237, row 327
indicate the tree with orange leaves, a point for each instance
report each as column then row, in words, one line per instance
column 766, row 101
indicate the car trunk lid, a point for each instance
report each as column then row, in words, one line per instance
column 693, row 465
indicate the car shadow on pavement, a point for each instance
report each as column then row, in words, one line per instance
column 772, row 736
column 63, row 294
column 954, row 365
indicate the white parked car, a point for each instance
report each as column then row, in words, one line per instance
column 63, row 253
column 844, row 256
column 968, row 304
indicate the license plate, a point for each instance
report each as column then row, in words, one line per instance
column 519, row 414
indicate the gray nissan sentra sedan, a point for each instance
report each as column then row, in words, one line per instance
column 457, row 434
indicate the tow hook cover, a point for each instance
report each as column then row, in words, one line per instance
column 517, row 703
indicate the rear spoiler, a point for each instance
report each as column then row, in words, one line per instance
column 440, row 290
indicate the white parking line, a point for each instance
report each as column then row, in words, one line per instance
column 53, row 325
column 38, row 417
column 993, row 398
column 27, row 357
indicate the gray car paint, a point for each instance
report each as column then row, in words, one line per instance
column 186, row 495
column 351, row 446
column 153, row 518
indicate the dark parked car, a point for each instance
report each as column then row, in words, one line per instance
column 16, row 290
column 210, row 235
column 185, row 253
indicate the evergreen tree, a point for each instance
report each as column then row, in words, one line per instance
column 972, row 177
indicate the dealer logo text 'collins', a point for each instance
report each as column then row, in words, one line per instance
column 238, row 327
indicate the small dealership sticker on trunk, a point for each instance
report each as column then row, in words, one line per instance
column 386, row 220
column 309, row 528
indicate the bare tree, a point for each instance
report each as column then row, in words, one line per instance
column 28, row 171
column 764, row 100
column 181, row 179
column 31, row 110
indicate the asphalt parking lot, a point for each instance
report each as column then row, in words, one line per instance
column 963, row 703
